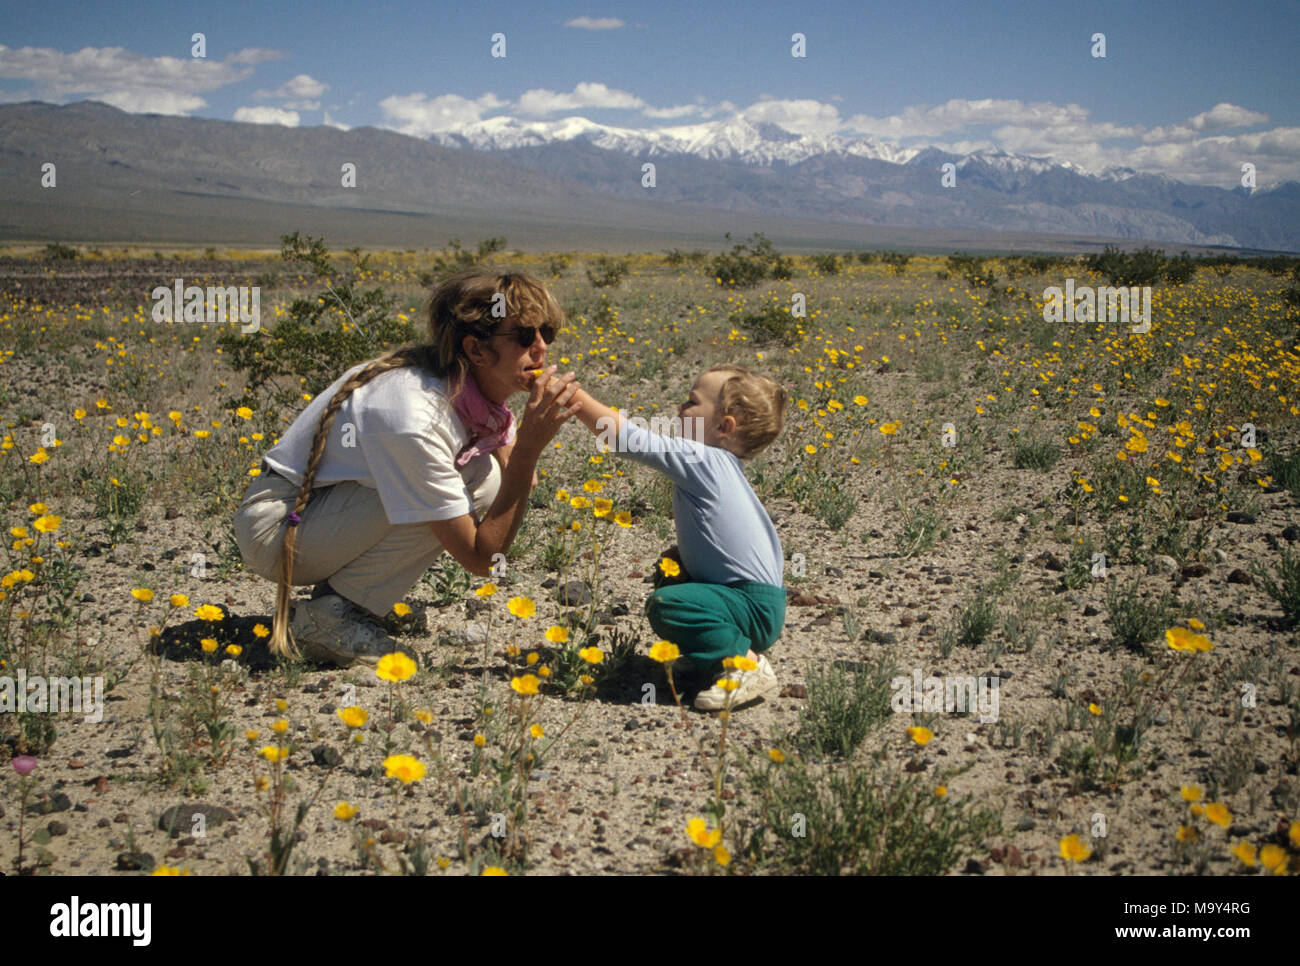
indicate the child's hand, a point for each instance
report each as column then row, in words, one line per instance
column 550, row 403
column 662, row 579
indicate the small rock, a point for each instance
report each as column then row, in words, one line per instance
column 634, row 575
column 103, row 823
column 1239, row 576
column 1240, row 516
column 475, row 633
column 1219, row 555
column 1162, row 564
column 180, row 818
column 58, row 802
column 135, row 862
column 121, row 818
column 325, row 756
column 57, row 828
column 973, row 867
column 1090, row 610
column 794, row 691
column 834, row 572
column 1014, row 859
column 549, row 582
column 1193, row 570
column 619, row 610
column 172, row 513
column 575, row 593
column 1291, row 533
column 1026, row 825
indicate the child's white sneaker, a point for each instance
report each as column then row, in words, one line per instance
column 756, row 684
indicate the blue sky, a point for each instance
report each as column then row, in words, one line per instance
column 1190, row 89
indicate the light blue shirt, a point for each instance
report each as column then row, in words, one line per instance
column 723, row 532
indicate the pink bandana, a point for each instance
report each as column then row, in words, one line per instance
column 490, row 424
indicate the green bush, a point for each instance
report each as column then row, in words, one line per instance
column 771, row 323
column 828, row 264
column 1285, row 588
column 896, row 261
column 843, row 708
column 1135, row 622
column 608, row 272
column 1039, row 455
column 56, row 252
column 320, row 336
column 747, row 265
column 1180, row 270
column 1142, row 267
column 849, row 820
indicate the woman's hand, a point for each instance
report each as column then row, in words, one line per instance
column 550, row 405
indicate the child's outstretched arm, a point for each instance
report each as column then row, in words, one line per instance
column 596, row 416
column 678, row 459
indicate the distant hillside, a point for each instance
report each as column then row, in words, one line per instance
column 159, row 179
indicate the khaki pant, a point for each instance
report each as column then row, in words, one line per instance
column 344, row 537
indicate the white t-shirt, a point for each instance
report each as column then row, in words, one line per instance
column 399, row 435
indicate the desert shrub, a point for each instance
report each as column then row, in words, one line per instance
column 608, row 272
column 320, row 336
column 771, row 323
column 828, row 264
column 855, row 820
column 844, row 707
column 1034, row 454
column 748, row 264
column 1142, row 267
column 56, row 252
column 1180, row 270
column 973, row 270
column 1285, row 587
column 1134, row 621
column 896, row 261
column 560, row 264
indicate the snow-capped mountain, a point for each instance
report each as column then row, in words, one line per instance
column 733, row 139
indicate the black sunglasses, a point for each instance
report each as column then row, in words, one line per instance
column 525, row 334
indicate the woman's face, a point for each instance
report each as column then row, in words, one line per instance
column 511, row 372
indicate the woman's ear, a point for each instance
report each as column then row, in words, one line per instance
column 473, row 349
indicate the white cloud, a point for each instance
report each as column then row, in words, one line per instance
column 801, row 116
column 681, row 110
column 267, row 115
column 596, row 23
column 1221, row 117
column 125, row 79
column 302, row 92
column 330, row 122
column 540, row 101
column 419, row 115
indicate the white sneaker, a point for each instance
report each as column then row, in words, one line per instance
column 333, row 630
column 755, row 684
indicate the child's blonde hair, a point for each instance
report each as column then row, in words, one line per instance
column 756, row 403
column 461, row 305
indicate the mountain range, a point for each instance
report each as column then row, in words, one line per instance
column 550, row 185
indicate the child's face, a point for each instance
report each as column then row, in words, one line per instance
column 699, row 414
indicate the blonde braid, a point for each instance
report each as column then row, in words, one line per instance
column 282, row 643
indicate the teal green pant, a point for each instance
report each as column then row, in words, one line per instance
column 709, row 622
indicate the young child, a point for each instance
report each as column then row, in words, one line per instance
column 733, row 604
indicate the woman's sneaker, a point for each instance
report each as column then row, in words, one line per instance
column 759, row 683
column 331, row 629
